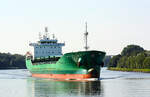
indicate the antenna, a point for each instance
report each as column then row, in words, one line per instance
column 46, row 32
column 40, row 37
column 53, row 36
column 46, row 29
column 85, row 37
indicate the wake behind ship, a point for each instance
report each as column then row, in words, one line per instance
column 49, row 62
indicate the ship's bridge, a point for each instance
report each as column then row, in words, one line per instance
column 48, row 40
column 47, row 47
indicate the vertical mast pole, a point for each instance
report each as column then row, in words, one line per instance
column 46, row 32
column 85, row 35
column 40, row 36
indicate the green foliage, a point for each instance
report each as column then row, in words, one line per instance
column 129, row 69
column 8, row 61
column 132, row 57
column 139, row 60
column 132, row 61
column 131, row 50
column 114, row 60
column 146, row 62
column 106, row 60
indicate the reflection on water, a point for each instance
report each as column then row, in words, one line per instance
column 19, row 83
column 51, row 88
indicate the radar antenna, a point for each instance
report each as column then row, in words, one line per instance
column 85, row 37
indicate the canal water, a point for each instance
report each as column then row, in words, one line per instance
column 19, row 83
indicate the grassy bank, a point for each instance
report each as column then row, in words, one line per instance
column 129, row 69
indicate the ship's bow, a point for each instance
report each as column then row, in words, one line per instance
column 92, row 61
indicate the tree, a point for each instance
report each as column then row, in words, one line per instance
column 114, row 60
column 132, row 61
column 122, row 62
column 132, row 56
column 131, row 50
column 8, row 61
column 139, row 60
column 106, row 60
column 146, row 63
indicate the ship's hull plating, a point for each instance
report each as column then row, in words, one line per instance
column 63, row 76
column 76, row 65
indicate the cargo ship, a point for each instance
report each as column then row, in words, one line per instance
column 47, row 61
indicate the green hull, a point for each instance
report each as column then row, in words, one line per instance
column 84, row 62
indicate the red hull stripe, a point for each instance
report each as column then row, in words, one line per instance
column 63, row 76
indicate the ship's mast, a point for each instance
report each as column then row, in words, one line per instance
column 46, row 33
column 85, row 36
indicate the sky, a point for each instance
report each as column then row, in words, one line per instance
column 112, row 24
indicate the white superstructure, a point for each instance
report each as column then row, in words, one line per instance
column 47, row 47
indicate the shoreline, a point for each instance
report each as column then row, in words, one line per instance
column 129, row 69
column 12, row 68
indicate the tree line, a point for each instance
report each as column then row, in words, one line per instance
column 132, row 56
column 12, row 61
